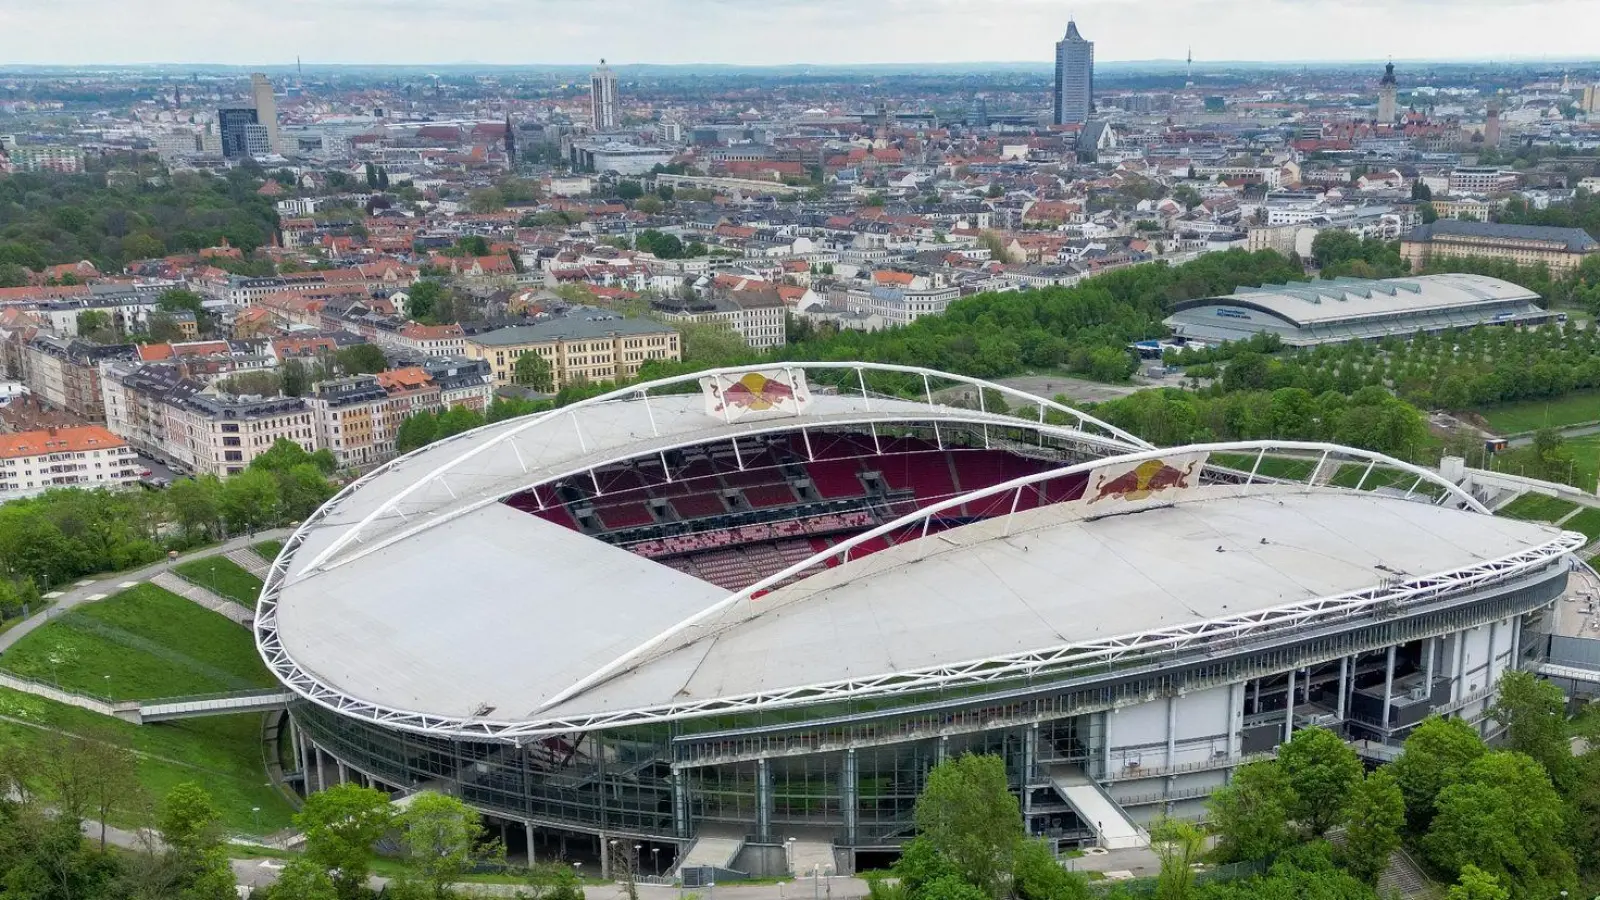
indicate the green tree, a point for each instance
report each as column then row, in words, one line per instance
column 649, row 204
column 1428, row 213
column 533, row 371
column 1250, row 814
column 1322, row 773
column 1505, row 818
column 250, row 500
column 191, row 829
column 1437, row 754
column 295, row 380
column 1376, row 815
column 12, row 275
column 96, row 325
column 303, row 879
column 1534, row 714
column 196, row 502
column 486, row 200
column 1246, row 372
column 440, row 834
column 553, row 881
column 629, row 190
column 342, row 826
column 1037, row 875
column 1178, row 845
column 1476, row 884
column 1420, row 190
column 711, row 344
column 361, row 359
column 1583, row 804
column 418, row 430
column 424, row 300
column 180, row 300
column 968, row 814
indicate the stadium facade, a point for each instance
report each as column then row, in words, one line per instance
column 730, row 621
column 1308, row 313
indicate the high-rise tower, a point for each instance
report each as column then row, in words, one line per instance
column 266, row 109
column 1074, row 97
column 603, row 98
column 1388, row 89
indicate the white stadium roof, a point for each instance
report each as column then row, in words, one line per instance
column 416, row 599
column 1343, row 299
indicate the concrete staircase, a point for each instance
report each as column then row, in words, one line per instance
column 251, row 562
column 197, row 594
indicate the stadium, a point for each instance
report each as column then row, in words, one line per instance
column 728, row 622
column 1308, row 313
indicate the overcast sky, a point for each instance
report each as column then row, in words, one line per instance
column 756, row 32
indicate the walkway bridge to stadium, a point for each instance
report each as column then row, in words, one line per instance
column 1111, row 825
column 213, row 705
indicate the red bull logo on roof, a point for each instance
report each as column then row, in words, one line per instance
column 1132, row 482
column 772, row 392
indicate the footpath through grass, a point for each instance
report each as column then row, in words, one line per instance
column 1532, row 415
column 222, row 754
column 1534, row 507
column 224, row 577
column 142, row 644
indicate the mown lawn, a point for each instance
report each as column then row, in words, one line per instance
column 1537, row 508
column 222, row 754
column 224, row 577
column 268, row 550
column 142, row 644
column 1587, row 522
column 1531, row 415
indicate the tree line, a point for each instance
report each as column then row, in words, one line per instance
column 49, row 220
column 67, row 533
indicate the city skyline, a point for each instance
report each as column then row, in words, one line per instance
column 676, row 32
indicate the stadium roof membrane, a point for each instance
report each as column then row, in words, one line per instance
column 416, row 598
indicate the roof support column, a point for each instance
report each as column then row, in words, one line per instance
column 1460, row 689
column 305, row 761
column 527, row 831
column 763, row 800
column 680, row 803
column 1288, row 707
column 1388, row 688
column 1344, row 691
column 850, row 793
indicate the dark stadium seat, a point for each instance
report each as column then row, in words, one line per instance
column 624, row 515
column 699, row 506
column 769, row 495
column 836, row 479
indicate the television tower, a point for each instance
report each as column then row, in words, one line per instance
column 1188, row 76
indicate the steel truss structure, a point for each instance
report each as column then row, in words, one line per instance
column 1394, row 595
column 1087, row 425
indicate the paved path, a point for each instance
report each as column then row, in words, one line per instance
column 102, row 586
column 217, row 603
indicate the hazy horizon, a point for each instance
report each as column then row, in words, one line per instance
column 785, row 33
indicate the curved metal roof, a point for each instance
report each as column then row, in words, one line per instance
column 1343, row 299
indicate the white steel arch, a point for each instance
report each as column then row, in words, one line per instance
column 1044, row 662
column 641, row 392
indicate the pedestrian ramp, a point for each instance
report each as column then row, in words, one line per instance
column 1098, row 811
column 710, row 858
column 217, row 705
column 811, row 856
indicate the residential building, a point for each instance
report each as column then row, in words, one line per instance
column 579, row 347
column 139, row 402
column 40, row 158
column 758, row 316
column 603, row 98
column 1481, row 180
column 352, row 416
column 219, row 434
column 32, row 462
column 65, row 373
column 429, row 340
column 1559, row 249
column 1074, row 85
column 266, row 111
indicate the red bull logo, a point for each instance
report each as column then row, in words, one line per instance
column 1144, row 480
column 753, row 392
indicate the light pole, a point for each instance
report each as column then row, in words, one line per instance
column 256, row 812
column 816, row 881
column 655, row 861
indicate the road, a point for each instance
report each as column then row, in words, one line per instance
column 101, row 586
